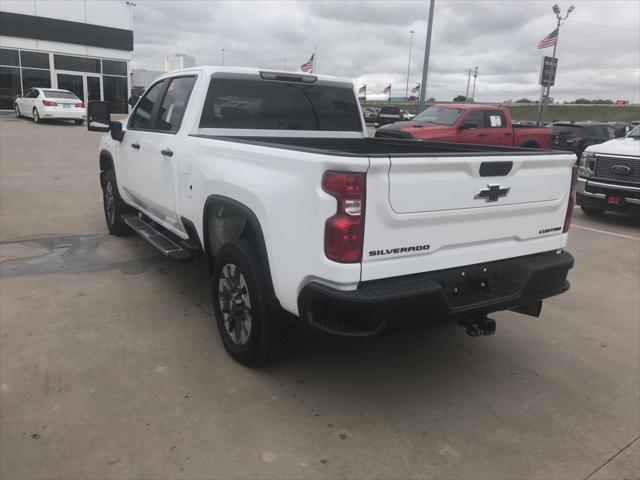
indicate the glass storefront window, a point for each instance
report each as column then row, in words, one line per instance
column 115, row 92
column 8, row 57
column 77, row 64
column 34, row 59
column 35, row 78
column 111, row 67
column 9, row 86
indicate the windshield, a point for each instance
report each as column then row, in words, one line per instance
column 635, row 133
column 59, row 94
column 439, row 115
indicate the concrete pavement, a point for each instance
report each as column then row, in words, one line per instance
column 111, row 366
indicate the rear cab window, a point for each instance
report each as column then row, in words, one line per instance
column 264, row 104
column 494, row 119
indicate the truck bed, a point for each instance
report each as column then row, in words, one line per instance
column 378, row 147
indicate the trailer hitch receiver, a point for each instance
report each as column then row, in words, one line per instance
column 479, row 325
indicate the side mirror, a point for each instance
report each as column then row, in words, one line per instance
column 133, row 99
column 98, row 116
column 620, row 132
column 116, row 131
column 468, row 125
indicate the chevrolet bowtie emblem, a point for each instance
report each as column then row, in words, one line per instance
column 492, row 193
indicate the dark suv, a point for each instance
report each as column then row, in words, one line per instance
column 576, row 136
column 389, row 114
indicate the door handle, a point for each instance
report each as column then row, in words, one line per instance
column 482, row 134
column 167, row 152
column 136, row 146
column 507, row 134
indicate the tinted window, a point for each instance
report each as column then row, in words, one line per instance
column 141, row 117
column 59, row 94
column 34, row 59
column 9, row 86
column 77, row 64
column 35, row 78
column 174, row 104
column 115, row 92
column 475, row 117
column 111, row 67
column 567, row 130
column 8, row 57
column 274, row 105
column 439, row 115
column 390, row 110
column 494, row 119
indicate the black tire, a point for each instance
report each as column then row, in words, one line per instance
column 261, row 336
column 78, row 122
column 113, row 205
column 18, row 114
column 593, row 212
column 36, row 115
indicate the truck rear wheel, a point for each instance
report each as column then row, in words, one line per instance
column 114, row 207
column 251, row 326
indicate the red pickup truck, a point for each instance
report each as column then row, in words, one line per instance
column 468, row 123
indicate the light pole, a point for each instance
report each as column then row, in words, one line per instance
column 545, row 90
column 406, row 92
column 466, row 95
column 223, row 57
column 473, row 93
column 131, row 5
column 284, row 67
column 427, row 51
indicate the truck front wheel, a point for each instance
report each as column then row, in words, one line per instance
column 250, row 325
column 114, row 207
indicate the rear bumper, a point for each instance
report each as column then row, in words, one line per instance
column 64, row 114
column 415, row 301
column 594, row 194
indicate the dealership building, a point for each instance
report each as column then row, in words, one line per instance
column 80, row 45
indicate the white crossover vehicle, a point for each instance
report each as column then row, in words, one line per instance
column 50, row 104
column 302, row 217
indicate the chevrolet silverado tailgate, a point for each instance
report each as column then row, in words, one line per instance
column 428, row 213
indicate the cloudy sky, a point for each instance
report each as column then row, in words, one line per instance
column 598, row 49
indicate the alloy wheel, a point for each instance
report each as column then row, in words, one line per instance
column 235, row 304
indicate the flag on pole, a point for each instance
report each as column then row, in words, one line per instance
column 549, row 41
column 387, row 89
column 308, row 66
column 362, row 90
column 415, row 89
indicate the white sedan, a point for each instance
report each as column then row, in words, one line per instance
column 51, row 104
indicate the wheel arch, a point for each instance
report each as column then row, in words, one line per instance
column 531, row 144
column 252, row 229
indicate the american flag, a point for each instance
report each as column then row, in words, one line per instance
column 387, row 89
column 362, row 90
column 549, row 41
column 308, row 66
column 416, row 89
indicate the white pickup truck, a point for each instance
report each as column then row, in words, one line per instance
column 301, row 215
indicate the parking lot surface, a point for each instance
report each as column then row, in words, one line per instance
column 111, row 365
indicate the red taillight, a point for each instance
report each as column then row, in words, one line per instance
column 80, row 104
column 574, row 139
column 49, row 103
column 572, row 194
column 344, row 232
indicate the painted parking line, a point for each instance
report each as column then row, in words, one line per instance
column 631, row 237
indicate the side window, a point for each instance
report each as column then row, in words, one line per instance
column 31, row 94
column 494, row 119
column 141, row 118
column 174, row 104
column 475, row 117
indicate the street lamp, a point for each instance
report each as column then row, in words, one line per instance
column 545, row 90
column 406, row 92
column 223, row 57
